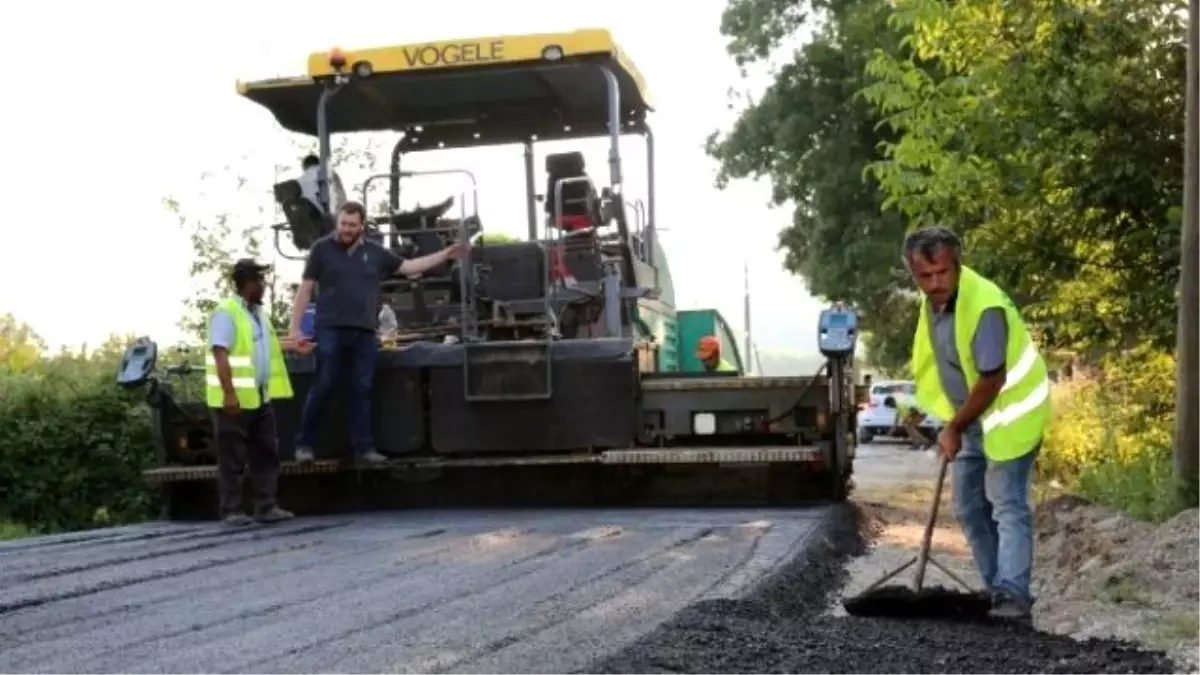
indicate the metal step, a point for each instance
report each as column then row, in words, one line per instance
column 763, row 455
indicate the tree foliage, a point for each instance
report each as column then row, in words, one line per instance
column 1049, row 133
column 812, row 137
column 72, row 445
column 20, row 346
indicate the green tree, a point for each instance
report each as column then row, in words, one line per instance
column 20, row 346
column 1049, row 133
column 496, row 238
column 812, row 137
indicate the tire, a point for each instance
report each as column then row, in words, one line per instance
column 865, row 437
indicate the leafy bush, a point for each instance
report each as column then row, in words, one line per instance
column 1110, row 440
column 72, row 447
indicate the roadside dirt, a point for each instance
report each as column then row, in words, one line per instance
column 1100, row 573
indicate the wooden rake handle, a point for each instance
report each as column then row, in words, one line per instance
column 927, row 539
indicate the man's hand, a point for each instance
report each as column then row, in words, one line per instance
column 298, row 344
column 949, row 442
column 231, row 405
column 456, row 250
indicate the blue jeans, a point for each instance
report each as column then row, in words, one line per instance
column 342, row 350
column 991, row 501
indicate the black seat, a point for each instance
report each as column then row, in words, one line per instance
column 421, row 217
column 306, row 222
column 578, row 198
column 418, row 227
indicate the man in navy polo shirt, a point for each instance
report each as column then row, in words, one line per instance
column 348, row 269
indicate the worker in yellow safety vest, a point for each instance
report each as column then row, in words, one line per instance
column 708, row 350
column 976, row 365
column 244, row 371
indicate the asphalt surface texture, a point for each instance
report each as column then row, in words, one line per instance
column 408, row 591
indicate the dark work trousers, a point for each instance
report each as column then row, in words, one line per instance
column 246, row 443
column 340, row 352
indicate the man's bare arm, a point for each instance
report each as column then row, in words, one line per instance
column 299, row 304
column 981, row 397
column 414, row 266
column 224, row 373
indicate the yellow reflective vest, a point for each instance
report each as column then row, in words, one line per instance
column 1016, row 421
column 725, row 367
column 241, row 362
column 905, row 404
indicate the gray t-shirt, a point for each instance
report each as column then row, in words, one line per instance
column 988, row 347
column 348, row 281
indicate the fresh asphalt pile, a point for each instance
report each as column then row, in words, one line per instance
column 785, row 627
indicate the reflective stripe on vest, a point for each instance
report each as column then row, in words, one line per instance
column 1010, row 413
column 235, row 363
column 1014, row 424
column 241, row 363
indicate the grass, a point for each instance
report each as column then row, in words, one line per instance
column 1175, row 628
column 1122, row 592
column 1110, row 442
column 14, row 531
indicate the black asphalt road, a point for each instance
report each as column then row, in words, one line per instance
column 783, row 626
column 510, row 591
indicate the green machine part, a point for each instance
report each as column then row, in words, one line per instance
column 697, row 323
column 677, row 331
column 656, row 317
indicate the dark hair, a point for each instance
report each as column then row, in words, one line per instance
column 354, row 208
column 310, row 161
column 244, row 276
column 928, row 241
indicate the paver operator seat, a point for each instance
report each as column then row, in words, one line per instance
column 580, row 202
column 577, row 258
column 305, row 221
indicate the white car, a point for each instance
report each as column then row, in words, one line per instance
column 875, row 419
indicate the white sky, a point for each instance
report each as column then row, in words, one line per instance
column 112, row 106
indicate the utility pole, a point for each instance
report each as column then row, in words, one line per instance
column 1187, row 391
column 746, row 314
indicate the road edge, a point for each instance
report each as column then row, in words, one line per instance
column 801, row 582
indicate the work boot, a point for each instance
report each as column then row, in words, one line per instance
column 372, row 457
column 273, row 515
column 1007, row 608
column 304, row 455
column 237, row 520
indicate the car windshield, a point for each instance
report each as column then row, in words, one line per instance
column 899, row 388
